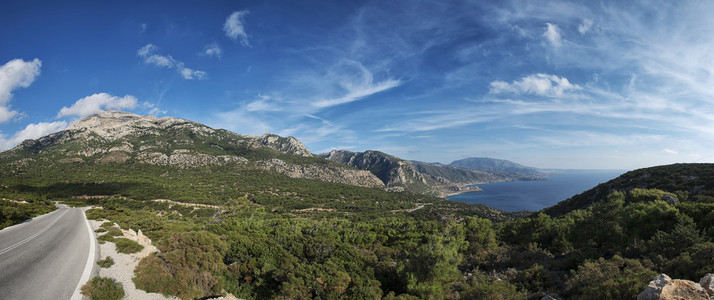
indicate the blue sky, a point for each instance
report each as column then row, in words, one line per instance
column 559, row 84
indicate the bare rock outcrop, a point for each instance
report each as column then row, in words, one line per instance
column 288, row 145
column 662, row 287
column 324, row 173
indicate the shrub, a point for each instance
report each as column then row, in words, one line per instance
column 616, row 278
column 109, row 236
column 103, row 288
column 189, row 266
column 106, row 262
column 127, row 246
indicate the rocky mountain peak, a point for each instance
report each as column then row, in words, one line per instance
column 284, row 144
column 112, row 125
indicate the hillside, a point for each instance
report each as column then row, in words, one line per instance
column 686, row 181
column 418, row 177
column 498, row 166
column 228, row 217
column 125, row 138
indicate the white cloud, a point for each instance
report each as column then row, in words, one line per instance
column 358, row 92
column 552, row 34
column 353, row 82
column 32, row 131
column 669, row 151
column 160, row 61
column 146, row 50
column 538, row 84
column 97, row 102
column 191, row 74
column 585, row 26
column 14, row 74
column 234, row 27
column 167, row 61
column 212, row 50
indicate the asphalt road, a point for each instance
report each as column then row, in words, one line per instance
column 46, row 257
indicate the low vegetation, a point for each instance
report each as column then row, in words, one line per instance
column 270, row 236
column 103, row 288
column 106, row 262
column 127, row 246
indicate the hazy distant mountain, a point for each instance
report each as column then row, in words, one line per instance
column 496, row 165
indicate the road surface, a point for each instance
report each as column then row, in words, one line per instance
column 46, row 257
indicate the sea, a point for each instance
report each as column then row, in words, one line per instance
column 514, row 196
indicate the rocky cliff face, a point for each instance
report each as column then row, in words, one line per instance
column 398, row 174
column 121, row 137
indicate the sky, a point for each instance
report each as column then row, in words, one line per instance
column 550, row 84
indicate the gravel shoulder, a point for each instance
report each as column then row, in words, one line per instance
column 124, row 264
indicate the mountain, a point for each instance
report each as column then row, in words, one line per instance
column 121, row 137
column 498, row 166
column 419, row 177
column 686, row 181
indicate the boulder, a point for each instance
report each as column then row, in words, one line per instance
column 683, row 289
column 707, row 282
column 654, row 289
column 662, row 287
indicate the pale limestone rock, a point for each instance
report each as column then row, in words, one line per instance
column 683, row 289
column 654, row 289
column 665, row 288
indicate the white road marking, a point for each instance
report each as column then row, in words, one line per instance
column 29, row 238
column 90, row 262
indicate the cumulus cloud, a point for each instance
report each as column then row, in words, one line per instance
column 234, row 27
column 538, row 84
column 32, row 131
column 97, row 102
column 148, row 53
column 16, row 73
column 189, row 74
column 552, row 34
column 585, row 26
column 212, row 50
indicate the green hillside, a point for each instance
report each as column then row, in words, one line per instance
column 271, row 231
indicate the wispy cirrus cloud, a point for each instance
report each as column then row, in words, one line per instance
column 235, row 29
column 14, row 74
column 148, row 53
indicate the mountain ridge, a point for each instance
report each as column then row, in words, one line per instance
column 122, row 137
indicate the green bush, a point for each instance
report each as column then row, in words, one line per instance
column 188, row 266
column 109, row 236
column 616, row 278
column 127, row 246
column 103, row 288
column 106, row 262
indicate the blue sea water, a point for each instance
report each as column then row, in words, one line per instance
column 515, row 196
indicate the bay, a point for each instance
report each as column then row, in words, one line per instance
column 513, row 196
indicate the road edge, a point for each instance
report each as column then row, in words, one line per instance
column 90, row 261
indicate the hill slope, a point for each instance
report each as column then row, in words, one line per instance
column 120, row 137
column 497, row 166
column 685, row 180
column 419, row 177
